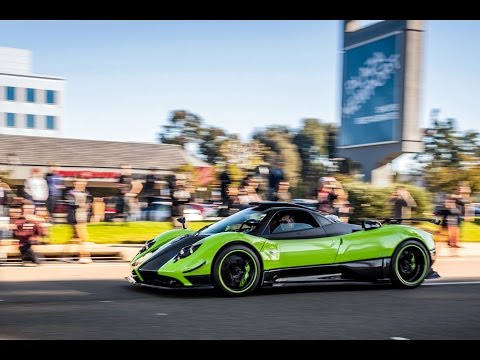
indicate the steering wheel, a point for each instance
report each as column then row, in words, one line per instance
column 249, row 222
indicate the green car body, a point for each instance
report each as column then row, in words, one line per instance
column 246, row 251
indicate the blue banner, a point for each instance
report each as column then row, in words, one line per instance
column 370, row 96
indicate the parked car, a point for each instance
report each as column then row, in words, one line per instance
column 157, row 211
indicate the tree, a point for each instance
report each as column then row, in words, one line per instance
column 182, row 128
column 450, row 156
column 332, row 134
column 311, row 144
column 210, row 142
column 441, row 141
column 282, row 148
column 246, row 156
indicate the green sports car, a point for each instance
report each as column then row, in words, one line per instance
column 273, row 243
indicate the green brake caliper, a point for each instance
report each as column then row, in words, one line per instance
column 245, row 275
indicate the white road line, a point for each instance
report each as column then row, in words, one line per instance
column 44, row 292
column 452, row 283
column 105, row 301
column 398, row 338
column 161, row 314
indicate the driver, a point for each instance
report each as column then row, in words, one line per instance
column 287, row 223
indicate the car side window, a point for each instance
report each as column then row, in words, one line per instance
column 323, row 221
column 287, row 221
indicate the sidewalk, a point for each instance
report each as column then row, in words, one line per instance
column 9, row 251
column 126, row 252
column 467, row 249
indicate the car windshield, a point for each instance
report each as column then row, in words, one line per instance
column 234, row 222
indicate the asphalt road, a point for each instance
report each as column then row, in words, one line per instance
column 66, row 301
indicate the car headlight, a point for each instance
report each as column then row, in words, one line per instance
column 147, row 245
column 142, row 259
column 186, row 251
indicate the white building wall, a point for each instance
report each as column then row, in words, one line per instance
column 15, row 61
column 15, row 71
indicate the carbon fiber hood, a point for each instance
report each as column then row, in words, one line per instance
column 161, row 256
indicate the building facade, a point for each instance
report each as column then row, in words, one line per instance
column 29, row 104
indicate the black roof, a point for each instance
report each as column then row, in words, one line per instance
column 274, row 204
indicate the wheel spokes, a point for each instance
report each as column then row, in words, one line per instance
column 236, row 271
column 410, row 264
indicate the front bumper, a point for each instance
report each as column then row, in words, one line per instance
column 153, row 279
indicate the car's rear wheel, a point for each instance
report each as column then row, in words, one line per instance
column 410, row 264
column 236, row 270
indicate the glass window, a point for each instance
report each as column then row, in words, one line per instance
column 30, row 95
column 292, row 221
column 50, row 96
column 30, row 121
column 10, row 93
column 50, row 122
column 235, row 222
column 10, row 119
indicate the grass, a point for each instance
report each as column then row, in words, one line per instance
column 469, row 231
column 140, row 231
column 117, row 233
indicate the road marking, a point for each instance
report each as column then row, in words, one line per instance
column 44, row 292
column 452, row 283
column 106, row 301
column 2, row 300
column 398, row 338
column 161, row 314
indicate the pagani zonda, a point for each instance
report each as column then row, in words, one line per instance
column 253, row 248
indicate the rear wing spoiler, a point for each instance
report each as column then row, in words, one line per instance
column 399, row 220
column 376, row 223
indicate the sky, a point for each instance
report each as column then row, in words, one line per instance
column 124, row 78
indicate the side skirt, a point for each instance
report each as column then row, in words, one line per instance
column 365, row 270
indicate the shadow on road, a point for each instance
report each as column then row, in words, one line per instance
column 289, row 289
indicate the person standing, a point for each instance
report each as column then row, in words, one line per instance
column 124, row 187
column 402, row 203
column 149, row 188
column 275, row 177
column 453, row 219
column 55, row 188
column 224, row 184
column 3, row 197
column 325, row 197
column 36, row 188
column 78, row 218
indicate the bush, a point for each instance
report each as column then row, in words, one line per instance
column 373, row 202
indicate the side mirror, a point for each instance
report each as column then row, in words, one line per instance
column 371, row 224
column 182, row 221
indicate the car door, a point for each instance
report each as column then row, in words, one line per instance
column 306, row 245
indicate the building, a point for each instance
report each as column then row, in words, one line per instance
column 98, row 161
column 29, row 104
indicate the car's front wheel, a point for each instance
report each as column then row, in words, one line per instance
column 410, row 264
column 236, row 270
